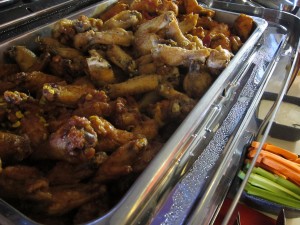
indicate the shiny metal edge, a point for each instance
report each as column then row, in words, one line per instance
column 169, row 163
column 284, row 5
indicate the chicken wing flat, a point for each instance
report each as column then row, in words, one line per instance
column 125, row 19
column 118, row 36
column 68, row 95
column 175, row 56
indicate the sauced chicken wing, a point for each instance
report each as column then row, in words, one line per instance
column 117, row 36
column 120, row 162
column 125, row 19
column 99, row 69
column 218, row 60
column 73, row 142
column 68, row 95
column 65, row 29
column 175, row 56
column 146, row 36
column 109, row 137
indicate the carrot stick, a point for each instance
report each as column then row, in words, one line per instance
column 286, row 162
column 275, row 149
column 270, row 169
column 281, row 151
column 297, row 161
column 255, row 144
column 285, row 170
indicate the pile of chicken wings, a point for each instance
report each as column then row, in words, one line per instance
column 83, row 114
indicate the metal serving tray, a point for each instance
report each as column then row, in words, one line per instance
column 283, row 5
column 198, row 146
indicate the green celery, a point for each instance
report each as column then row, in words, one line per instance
column 273, row 197
column 269, row 185
column 277, row 179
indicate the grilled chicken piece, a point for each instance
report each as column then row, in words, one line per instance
column 122, row 59
column 96, row 104
column 192, row 6
column 69, row 197
column 118, row 36
column 146, row 155
column 222, row 40
column 66, row 95
column 175, row 56
column 14, row 148
column 196, row 82
column 236, row 43
column 188, row 23
column 26, row 117
column 65, row 173
column 120, row 162
column 146, row 37
column 218, row 60
column 65, row 29
column 23, row 182
column 154, row 7
column 73, row 142
column 99, row 69
column 24, row 57
column 125, row 19
column 243, row 26
column 31, row 81
column 127, row 116
column 109, row 137
column 134, row 86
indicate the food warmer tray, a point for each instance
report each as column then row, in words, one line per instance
column 188, row 180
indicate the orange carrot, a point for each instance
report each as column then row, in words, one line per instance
column 281, row 151
column 297, row 161
column 270, row 169
column 277, row 150
column 255, row 144
column 277, row 158
column 285, row 170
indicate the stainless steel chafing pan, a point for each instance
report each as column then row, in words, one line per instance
column 147, row 196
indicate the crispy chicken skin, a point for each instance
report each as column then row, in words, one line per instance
column 85, row 111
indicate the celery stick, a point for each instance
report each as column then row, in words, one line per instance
column 277, row 179
column 269, row 185
column 273, row 197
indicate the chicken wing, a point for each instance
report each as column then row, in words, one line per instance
column 218, row 60
column 120, row 162
column 14, row 147
column 124, row 19
column 175, row 56
column 122, row 59
column 67, row 95
column 118, row 36
column 99, row 69
column 23, row 182
column 73, row 142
